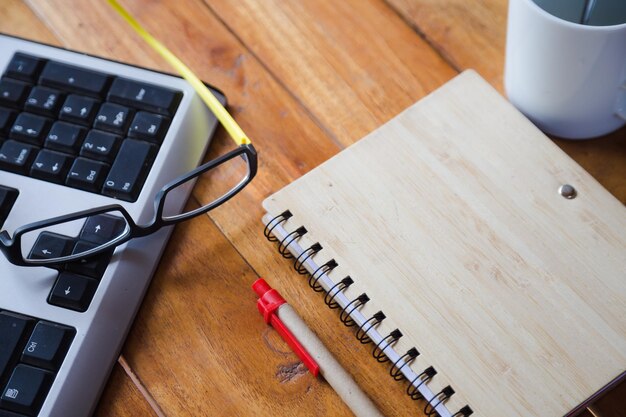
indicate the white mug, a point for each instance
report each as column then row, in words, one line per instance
column 568, row 78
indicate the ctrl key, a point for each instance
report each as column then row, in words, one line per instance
column 26, row 390
column 47, row 346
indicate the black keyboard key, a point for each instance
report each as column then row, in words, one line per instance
column 6, row 120
column 51, row 245
column 17, row 156
column 45, row 101
column 100, row 146
column 87, row 174
column 73, row 291
column 47, row 346
column 24, row 67
column 65, row 137
column 129, row 170
column 7, row 199
column 102, row 228
column 30, row 128
column 26, row 390
column 5, row 413
column 93, row 266
column 79, row 109
column 144, row 96
column 13, row 331
column 148, row 126
column 50, row 166
column 74, row 79
column 13, row 93
column 113, row 117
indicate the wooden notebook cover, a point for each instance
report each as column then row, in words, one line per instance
column 449, row 217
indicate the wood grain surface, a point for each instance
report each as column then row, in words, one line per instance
column 304, row 79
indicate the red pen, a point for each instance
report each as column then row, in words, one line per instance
column 310, row 348
column 268, row 303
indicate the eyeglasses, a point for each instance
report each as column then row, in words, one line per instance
column 85, row 234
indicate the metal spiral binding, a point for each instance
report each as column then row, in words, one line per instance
column 413, row 390
column 336, row 289
column 379, row 350
column 298, row 264
column 317, row 274
column 346, row 312
column 345, row 315
column 441, row 396
column 283, row 247
column 464, row 412
column 406, row 359
column 267, row 232
column 361, row 333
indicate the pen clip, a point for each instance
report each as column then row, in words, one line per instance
column 268, row 303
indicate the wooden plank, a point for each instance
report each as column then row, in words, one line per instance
column 471, row 34
column 121, row 398
column 19, row 20
column 354, row 64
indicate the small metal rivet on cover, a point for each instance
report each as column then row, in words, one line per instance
column 567, row 191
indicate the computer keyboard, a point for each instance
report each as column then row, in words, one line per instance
column 78, row 132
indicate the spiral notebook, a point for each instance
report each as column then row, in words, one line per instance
column 446, row 241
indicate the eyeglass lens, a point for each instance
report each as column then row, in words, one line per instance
column 210, row 186
column 76, row 237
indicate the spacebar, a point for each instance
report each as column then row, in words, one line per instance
column 129, row 170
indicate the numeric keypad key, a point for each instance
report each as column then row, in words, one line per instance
column 16, row 156
column 50, row 166
column 30, row 128
column 79, row 109
column 13, row 93
column 65, row 137
column 44, row 101
column 87, row 174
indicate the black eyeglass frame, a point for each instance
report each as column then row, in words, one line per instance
column 11, row 247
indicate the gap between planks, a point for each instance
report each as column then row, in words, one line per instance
column 140, row 387
column 445, row 56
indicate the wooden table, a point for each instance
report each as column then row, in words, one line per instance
column 304, row 79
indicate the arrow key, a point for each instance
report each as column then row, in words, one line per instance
column 102, row 228
column 100, row 146
column 50, row 166
column 51, row 245
column 73, row 291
